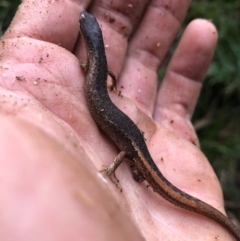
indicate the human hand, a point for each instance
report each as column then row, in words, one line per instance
column 52, row 150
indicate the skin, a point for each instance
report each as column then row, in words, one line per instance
column 51, row 149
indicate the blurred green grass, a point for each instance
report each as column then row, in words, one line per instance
column 7, row 11
column 219, row 103
column 217, row 116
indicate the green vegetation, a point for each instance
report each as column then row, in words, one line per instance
column 7, row 11
column 217, row 118
column 219, row 105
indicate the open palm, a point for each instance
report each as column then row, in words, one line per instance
column 51, row 148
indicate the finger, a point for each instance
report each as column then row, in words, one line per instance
column 182, row 84
column 51, row 21
column 147, row 50
column 117, row 20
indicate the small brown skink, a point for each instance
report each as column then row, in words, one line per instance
column 126, row 135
